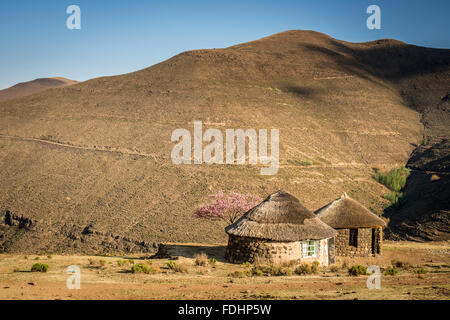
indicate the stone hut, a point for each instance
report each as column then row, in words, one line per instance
column 280, row 229
column 360, row 232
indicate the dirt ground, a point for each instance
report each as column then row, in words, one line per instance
column 103, row 277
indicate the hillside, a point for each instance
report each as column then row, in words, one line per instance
column 26, row 88
column 87, row 167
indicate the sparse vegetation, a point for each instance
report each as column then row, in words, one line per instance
column 212, row 262
column 425, row 140
column 177, row 267
column 397, row 199
column 39, row 267
column 121, row 263
column 201, row 259
column 421, row 271
column 334, row 268
column 391, row 271
column 400, row 264
column 303, row 269
column 357, row 270
column 143, row 268
column 394, row 179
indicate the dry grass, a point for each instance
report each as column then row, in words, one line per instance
column 425, row 279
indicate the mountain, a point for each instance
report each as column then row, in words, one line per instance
column 87, row 168
column 30, row 87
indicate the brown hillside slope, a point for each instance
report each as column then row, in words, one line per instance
column 87, row 167
column 26, row 88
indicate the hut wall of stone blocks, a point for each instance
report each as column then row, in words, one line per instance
column 244, row 249
column 368, row 242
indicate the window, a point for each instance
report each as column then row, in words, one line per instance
column 309, row 249
column 353, row 238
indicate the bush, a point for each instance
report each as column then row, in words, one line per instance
column 39, row 267
column 240, row 274
column 247, row 264
column 303, row 269
column 400, row 264
column 357, row 270
column 391, row 271
column 177, row 267
column 425, row 140
column 397, row 199
column 334, row 268
column 201, row 259
column 143, row 268
column 315, row 267
column 102, row 263
column 394, row 179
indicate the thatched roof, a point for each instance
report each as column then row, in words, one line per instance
column 346, row 212
column 281, row 217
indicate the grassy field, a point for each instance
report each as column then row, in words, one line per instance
column 110, row 277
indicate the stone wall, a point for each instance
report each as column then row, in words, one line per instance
column 242, row 249
column 364, row 245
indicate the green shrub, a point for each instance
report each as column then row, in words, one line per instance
column 357, row 270
column 425, row 140
column 130, row 261
column 201, row 259
column 247, row 264
column 142, row 268
column 397, row 199
column 391, row 271
column 102, row 263
column 394, row 179
column 39, row 267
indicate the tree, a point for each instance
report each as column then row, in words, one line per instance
column 227, row 206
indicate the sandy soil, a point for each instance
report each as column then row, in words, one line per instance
column 103, row 278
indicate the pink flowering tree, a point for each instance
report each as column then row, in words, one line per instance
column 227, row 206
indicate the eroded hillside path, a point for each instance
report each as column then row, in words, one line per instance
column 156, row 157
column 88, row 148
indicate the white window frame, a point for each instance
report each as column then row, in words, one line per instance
column 306, row 249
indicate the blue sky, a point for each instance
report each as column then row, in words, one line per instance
column 120, row 36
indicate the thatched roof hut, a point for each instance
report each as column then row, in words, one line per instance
column 347, row 213
column 359, row 230
column 279, row 219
